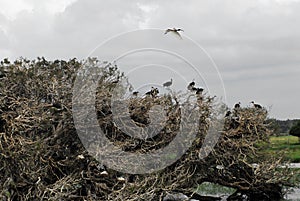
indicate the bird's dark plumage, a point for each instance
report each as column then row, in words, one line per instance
column 194, row 89
column 237, row 105
column 167, row 84
column 148, row 93
column 228, row 113
column 258, row 106
column 191, row 85
column 153, row 92
column 199, row 90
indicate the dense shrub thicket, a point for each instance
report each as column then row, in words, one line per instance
column 295, row 130
column 42, row 158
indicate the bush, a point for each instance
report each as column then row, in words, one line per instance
column 42, row 158
column 295, row 130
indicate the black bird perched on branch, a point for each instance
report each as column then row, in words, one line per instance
column 155, row 92
column 149, row 93
column 228, row 113
column 191, row 85
column 258, row 106
column 167, row 84
column 199, row 90
column 135, row 93
column 194, row 89
column 237, row 105
column 175, row 31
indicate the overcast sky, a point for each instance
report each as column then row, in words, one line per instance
column 255, row 44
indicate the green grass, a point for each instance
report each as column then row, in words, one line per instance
column 289, row 144
column 209, row 189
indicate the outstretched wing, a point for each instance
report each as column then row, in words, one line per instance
column 168, row 30
column 174, row 31
column 177, row 34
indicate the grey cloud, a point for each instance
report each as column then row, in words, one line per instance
column 72, row 33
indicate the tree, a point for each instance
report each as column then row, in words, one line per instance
column 295, row 130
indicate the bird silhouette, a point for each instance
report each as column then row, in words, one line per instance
column 135, row 93
column 258, row 106
column 199, row 90
column 155, row 92
column 191, row 85
column 174, row 31
column 228, row 113
column 237, row 105
column 167, row 84
column 148, row 93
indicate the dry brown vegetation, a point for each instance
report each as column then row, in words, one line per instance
column 42, row 158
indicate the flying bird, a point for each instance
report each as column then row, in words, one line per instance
column 174, row 31
column 167, row 84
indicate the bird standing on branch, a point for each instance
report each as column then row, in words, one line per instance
column 174, row 31
column 199, row 91
column 228, row 113
column 237, row 105
column 155, row 92
column 167, row 84
column 191, row 85
column 257, row 106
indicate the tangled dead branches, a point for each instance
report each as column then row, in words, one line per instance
column 42, row 158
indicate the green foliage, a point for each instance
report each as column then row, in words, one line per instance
column 295, row 130
column 281, row 127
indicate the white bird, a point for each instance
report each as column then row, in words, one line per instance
column 220, row 167
column 167, row 84
column 175, row 31
column 122, row 179
column 80, row 156
column 104, row 173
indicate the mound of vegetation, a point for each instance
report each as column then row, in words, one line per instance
column 295, row 130
column 281, row 127
column 42, row 157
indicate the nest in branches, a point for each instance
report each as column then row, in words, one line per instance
column 42, row 158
